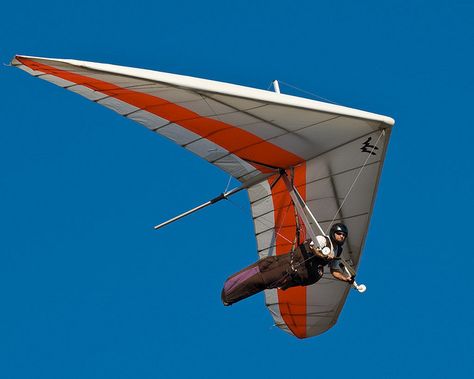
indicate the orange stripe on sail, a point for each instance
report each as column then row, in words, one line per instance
column 237, row 141
column 292, row 302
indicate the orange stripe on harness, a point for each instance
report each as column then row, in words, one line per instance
column 292, row 302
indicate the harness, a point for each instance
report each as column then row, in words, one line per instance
column 311, row 263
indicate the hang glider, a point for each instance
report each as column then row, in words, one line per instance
column 332, row 155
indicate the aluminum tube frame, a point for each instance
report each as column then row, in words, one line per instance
column 222, row 196
column 302, row 209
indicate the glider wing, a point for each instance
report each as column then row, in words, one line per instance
column 248, row 132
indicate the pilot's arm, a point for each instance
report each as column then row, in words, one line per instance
column 340, row 276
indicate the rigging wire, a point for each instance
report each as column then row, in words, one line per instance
column 283, row 221
column 307, row 92
column 264, row 223
column 355, row 180
column 228, row 183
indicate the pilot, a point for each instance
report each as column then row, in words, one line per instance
column 302, row 267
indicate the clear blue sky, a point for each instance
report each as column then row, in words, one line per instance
column 89, row 290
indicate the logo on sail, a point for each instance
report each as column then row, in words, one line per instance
column 368, row 148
